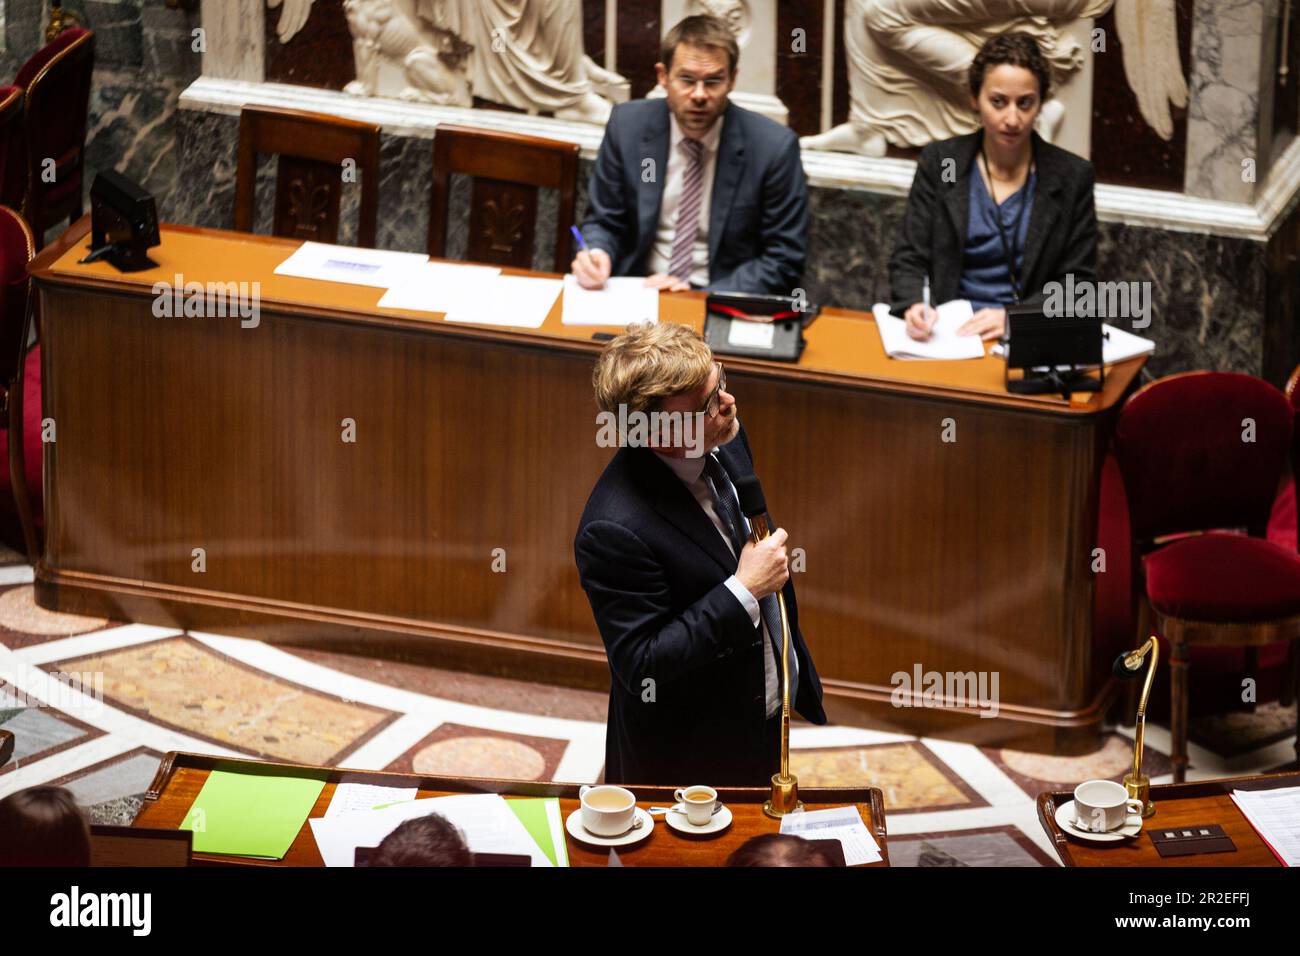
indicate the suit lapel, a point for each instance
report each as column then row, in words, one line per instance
column 678, row 507
column 957, row 198
column 726, row 177
column 1044, row 213
column 654, row 146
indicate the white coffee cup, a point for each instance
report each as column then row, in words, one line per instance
column 1102, row 805
column 698, row 802
column 608, row 810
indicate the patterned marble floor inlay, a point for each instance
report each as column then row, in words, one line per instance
column 458, row 751
column 908, row 775
column 949, row 804
column 182, row 684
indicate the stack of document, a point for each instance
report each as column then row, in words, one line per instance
column 489, row 824
column 620, row 302
column 840, row 823
column 374, row 267
column 943, row 343
column 1275, row 815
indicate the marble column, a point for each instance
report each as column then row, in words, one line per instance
column 1234, row 46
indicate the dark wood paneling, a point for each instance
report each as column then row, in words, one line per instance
column 799, row 75
column 1282, row 301
column 840, row 94
column 639, row 31
column 593, row 29
column 184, row 433
column 320, row 54
column 1125, row 150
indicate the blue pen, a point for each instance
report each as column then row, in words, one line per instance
column 577, row 235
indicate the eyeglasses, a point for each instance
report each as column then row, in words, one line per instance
column 714, row 404
column 687, row 83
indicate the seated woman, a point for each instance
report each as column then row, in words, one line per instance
column 995, row 215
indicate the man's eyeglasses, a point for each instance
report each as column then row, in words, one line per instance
column 714, row 404
column 686, row 83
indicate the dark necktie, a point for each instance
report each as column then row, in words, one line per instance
column 688, row 211
column 724, row 501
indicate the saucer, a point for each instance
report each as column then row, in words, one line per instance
column 576, row 830
column 1131, row 827
column 717, row 823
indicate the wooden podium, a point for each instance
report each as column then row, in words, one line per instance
column 200, row 479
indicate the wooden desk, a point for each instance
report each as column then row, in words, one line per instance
column 176, row 434
column 1177, row 804
column 181, row 776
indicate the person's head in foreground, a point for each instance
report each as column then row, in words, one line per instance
column 778, row 849
column 1009, row 82
column 42, row 826
column 425, row 841
column 697, row 69
column 666, row 368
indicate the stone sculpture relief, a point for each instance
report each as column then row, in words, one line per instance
column 908, row 61
column 526, row 54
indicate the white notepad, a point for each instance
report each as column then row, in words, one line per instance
column 381, row 268
column 622, row 301
column 943, row 344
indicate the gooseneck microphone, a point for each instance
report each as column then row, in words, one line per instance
column 785, row 786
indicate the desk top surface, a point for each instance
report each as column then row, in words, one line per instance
column 181, row 776
column 843, row 346
column 1177, row 805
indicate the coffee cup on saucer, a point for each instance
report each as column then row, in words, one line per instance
column 1101, row 805
column 698, row 802
column 608, row 810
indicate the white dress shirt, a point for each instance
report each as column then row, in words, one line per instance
column 661, row 250
column 691, row 473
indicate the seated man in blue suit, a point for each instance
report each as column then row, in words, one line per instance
column 692, row 190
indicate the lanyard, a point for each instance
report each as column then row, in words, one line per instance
column 1007, row 248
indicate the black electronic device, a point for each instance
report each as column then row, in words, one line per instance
column 757, row 326
column 1052, row 353
column 123, row 223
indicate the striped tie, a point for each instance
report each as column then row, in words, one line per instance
column 688, row 211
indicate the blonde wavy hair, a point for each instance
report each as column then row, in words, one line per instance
column 648, row 363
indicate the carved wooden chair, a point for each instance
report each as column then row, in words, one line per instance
column 20, row 391
column 13, row 148
column 56, row 81
column 312, row 148
column 6, row 746
column 507, row 171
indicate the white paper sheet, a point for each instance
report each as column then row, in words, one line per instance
column 440, row 287
column 751, row 335
column 1275, row 815
column 374, row 267
column 487, row 824
column 360, row 797
column 944, row 343
column 838, row 823
column 518, row 302
column 622, row 301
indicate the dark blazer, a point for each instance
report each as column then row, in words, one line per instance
column 1061, row 238
column 653, row 566
column 758, row 219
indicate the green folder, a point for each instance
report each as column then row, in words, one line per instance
column 251, row 814
column 533, row 815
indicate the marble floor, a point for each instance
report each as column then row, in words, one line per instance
column 143, row 691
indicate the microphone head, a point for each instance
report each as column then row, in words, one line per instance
column 750, row 493
column 1121, row 670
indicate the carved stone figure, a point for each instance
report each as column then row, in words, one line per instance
column 522, row 53
column 908, row 62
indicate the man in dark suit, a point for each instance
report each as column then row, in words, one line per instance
column 692, row 190
column 685, row 603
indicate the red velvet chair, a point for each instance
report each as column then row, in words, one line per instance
column 57, row 84
column 1201, row 453
column 20, row 391
column 13, row 148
